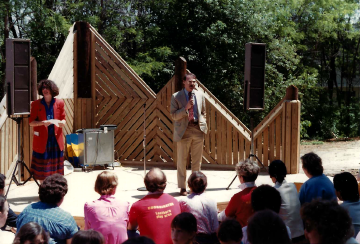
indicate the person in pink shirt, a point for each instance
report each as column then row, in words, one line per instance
column 107, row 215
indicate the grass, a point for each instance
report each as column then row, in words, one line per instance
column 315, row 142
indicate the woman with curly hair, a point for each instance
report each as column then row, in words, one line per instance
column 202, row 207
column 31, row 233
column 47, row 116
column 47, row 213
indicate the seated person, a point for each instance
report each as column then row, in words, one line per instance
column 184, row 228
column 154, row 212
column 239, row 206
column 266, row 227
column 230, row 232
column 12, row 217
column 264, row 197
column 139, row 240
column 107, row 215
column 290, row 204
column 327, row 222
column 31, row 233
column 346, row 188
column 88, row 237
column 6, row 237
column 47, row 212
column 202, row 207
column 318, row 186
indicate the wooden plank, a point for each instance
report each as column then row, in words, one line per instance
column 212, row 132
column 78, row 113
column 77, row 116
column 247, row 148
column 235, row 147
column 207, row 135
column 10, row 144
column 139, row 151
column 110, row 86
column 223, row 139
column 229, row 144
column 90, row 114
column 119, row 111
column 168, row 96
column 208, row 158
column 266, row 147
column 278, row 136
column 6, row 141
column 259, row 146
column 295, row 136
column 26, row 141
column 2, row 162
column 287, row 143
column 114, row 110
column 91, row 107
column 272, row 141
column 242, row 147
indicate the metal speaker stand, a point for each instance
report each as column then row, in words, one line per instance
column 19, row 162
column 144, row 146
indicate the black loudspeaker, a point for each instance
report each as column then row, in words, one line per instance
column 255, row 55
column 18, row 76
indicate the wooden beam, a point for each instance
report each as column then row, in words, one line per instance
column 292, row 93
column 180, row 71
column 33, row 79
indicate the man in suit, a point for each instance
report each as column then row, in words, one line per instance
column 189, row 115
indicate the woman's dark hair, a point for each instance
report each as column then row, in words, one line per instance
column 197, row 182
column 328, row 219
column 139, row 240
column 2, row 203
column 88, row 237
column 267, row 227
column 54, row 90
column 230, row 230
column 29, row 232
column 53, row 189
column 347, row 185
column 185, row 221
column 312, row 163
column 266, row 197
column 277, row 169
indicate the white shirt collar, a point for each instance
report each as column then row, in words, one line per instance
column 247, row 185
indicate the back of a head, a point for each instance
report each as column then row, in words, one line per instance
column 106, row 182
column 266, row 197
column 2, row 181
column 197, row 182
column 53, row 189
column 277, row 169
column 88, row 237
column 139, row 240
column 331, row 222
column 347, row 185
column 155, row 180
column 248, row 169
column 185, row 221
column 312, row 163
column 266, row 227
column 230, row 231
column 29, row 232
column 2, row 203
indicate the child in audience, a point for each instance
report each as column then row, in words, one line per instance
column 346, row 188
column 318, row 186
column 139, row 240
column 183, row 228
column 290, row 204
column 31, row 233
column 88, row 237
column 266, row 227
column 202, row 207
column 230, row 232
column 239, row 206
column 6, row 237
column 107, row 215
column 326, row 222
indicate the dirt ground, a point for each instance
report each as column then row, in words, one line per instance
column 337, row 156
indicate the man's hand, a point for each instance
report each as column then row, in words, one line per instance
column 189, row 104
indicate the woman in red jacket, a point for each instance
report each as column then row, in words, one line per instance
column 47, row 117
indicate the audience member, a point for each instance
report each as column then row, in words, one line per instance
column 290, row 204
column 6, row 237
column 326, row 222
column 202, row 207
column 12, row 217
column 47, row 213
column 239, row 206
column 318, row 185
column 346, row 188
column 230, row 232
column 184, row 228
column 139, row 240
column 154, row 212
column 107, row 215
column 88, row 237
column 31, row 233
column 266, row 227
column 264, row 197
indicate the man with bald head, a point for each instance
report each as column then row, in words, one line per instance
column 154, row 212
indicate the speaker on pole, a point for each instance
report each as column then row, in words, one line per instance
column 18, row 76
column 255, row 55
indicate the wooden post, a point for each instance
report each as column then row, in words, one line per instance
column 76, row 110
column 295, row 136
column 33, row 79
column 180, row 71
column 93, row 91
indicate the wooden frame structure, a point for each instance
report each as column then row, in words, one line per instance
column 118, row 96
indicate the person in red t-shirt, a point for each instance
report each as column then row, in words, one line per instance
column 239, row 206
column 153, row 213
